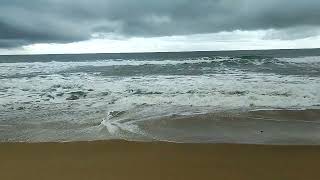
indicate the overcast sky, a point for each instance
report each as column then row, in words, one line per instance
column 84, row 26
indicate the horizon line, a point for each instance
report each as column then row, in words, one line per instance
column 155, row 52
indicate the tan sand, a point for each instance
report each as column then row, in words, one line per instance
column 120, row 160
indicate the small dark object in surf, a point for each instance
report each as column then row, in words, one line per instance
column 239, row 93
column 105, row 93
column 73, row 97
column 116, row 113
column 50, row 96
column 60, row 94
column 21, row 108
column 78, row 93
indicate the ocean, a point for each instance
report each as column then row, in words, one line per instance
column 254, row 97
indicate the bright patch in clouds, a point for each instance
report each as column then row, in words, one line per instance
column 235, row 40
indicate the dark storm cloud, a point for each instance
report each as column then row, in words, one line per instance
column 60, row 21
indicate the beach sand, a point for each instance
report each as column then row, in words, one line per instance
column 120, row 160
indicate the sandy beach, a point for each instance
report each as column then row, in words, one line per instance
column 119, row 160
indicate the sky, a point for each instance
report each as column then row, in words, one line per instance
column 103, row 26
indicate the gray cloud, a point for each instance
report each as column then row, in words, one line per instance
column 300, row 32
column 61, row 21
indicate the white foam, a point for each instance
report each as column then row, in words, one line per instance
column 111, row 126
column 219, row 90
column 307, row 59
column 119, row 129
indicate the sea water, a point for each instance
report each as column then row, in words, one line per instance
column 261, row 97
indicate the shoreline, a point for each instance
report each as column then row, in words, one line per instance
column 272, row 127
column 119, row 159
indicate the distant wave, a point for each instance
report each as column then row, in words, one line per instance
column 199, row 65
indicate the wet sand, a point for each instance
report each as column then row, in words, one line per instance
column 120, row 160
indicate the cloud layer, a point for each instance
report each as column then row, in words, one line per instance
column 60, row 21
